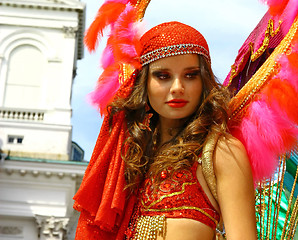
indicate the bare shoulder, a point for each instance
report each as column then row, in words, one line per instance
column 235, row 188
column 230, row 155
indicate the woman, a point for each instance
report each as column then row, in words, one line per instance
column 175, row 109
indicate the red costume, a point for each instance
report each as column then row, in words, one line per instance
column 179, row 196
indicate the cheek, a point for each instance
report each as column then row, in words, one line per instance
column 154, row 89
column 155, row 95
column 197, row 91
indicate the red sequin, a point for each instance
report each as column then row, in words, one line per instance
column 163, row 174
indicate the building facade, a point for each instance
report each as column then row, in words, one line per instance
column 40, row 43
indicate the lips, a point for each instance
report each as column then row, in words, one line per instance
column 177, row 103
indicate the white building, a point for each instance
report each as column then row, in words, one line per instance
column 40, row 43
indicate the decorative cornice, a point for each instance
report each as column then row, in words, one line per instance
column 79, row 7
column 47, row 169
column 35, row 173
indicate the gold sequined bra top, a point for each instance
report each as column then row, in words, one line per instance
column 178, row 197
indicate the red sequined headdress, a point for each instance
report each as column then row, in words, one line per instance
column 166, row 40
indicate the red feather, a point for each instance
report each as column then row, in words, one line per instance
column 289, row 130
column 293, row 60
column 122, row 48
column 106, row 15
column 276, row 7
column 285, row 95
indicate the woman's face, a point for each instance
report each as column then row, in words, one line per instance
column 175, row 86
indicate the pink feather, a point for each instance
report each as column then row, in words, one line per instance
column 257, row 150
column 129, row 50
column 265, row 121
column 289, row 130
column 290, row 12
column 122, row 46
column 108, row 84
column 125, row 40
column 288, row 73
column 273, row 126
column 127, row 33
column 266, row 132
column 289, row 67
column 107, row 58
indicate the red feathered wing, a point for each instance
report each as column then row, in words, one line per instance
column 263, row 113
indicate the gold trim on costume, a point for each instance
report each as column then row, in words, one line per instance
column 239, row 103
column 268, row 33
column 141, row 6
column 166, row 196
column 207, row 162
column 182, row 208
column 125, row 73
column 235, row 70
column 148, row 227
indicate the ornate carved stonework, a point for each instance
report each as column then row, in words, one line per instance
column 70, row 32
column 52, row 228
column 11, row 230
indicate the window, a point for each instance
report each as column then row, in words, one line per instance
column 15, row 139
column 26, row 69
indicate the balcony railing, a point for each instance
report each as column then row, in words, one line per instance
column 18, row 114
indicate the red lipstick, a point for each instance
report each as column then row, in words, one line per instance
column 177, row 103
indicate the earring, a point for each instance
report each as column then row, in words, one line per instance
column 146, row 122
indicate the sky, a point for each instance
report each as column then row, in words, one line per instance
column 224, row 23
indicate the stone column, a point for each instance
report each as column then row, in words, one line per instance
column 52, row 228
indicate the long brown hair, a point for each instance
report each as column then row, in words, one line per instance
column 186, row 145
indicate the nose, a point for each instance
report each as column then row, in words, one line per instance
column 177, row 86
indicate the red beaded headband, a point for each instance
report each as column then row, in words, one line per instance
column 171, row 39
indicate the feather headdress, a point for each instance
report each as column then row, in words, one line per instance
column 122, row 49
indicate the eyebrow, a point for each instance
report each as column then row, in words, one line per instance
column 193, row 68
column 158, row 68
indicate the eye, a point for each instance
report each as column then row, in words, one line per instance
column 192, row 74
column 161, row 75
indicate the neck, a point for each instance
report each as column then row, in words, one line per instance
column 169, row 128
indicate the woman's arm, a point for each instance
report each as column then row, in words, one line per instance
column 235, row 189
